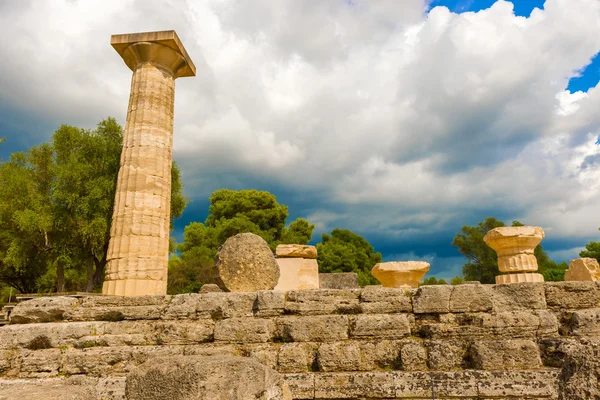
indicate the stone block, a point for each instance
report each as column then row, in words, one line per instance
column 302, row 386
column 338, row 280
column 213, row 350
column 572, row 295
column 39, row 363
column 118, row 308
column 511, row 354
column 445, row 355
column 342, row 356
column 471, row 298
column 351, row 385
column 323, row 301
column 296, row 250
column 43, row 309
column 210, row 288
column 182, row 332
column 141, row 354
column 519, row 278
column 319, row 328
column 379, row 326
column 437, row 385
column 297, row 274
column 380, row 300
column 264, row 353
column 584, row 322
column 47, row 335
column 518, row 384
column 432, row 299
column 235, row 304
column 182, row 306
column 244, row 330
column 400, row 274
column 583, row 269
column 293, row 357
column 518, row 296
column 413, row 356
column 269, row 303
column 96, row 361
column 51, row 389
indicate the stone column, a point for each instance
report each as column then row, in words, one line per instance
column 298, row 267
column 515, row 246
column 138, row 250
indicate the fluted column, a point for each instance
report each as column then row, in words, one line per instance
column 139, row 238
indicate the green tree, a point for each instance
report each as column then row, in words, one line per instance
column 56, row 237
column 592, row 250
column 232, row 212
column 345, row 251
column 432, row 280
column 457, row 280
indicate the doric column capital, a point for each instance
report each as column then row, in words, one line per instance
column 163, row 49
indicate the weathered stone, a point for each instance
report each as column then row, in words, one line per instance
column 181, row 332
column 47, row 335
column 245, row 263
column 296, row 250
column 39, row 363
column 292, row 357
column 584, row 322
column 580, row 374
column 518, row 384
column 338, row 280
column 269, row 303
column 264, row 353
column 320, row 328
column 413, row 356
column 432, row 299
column 445, row 354
column 302, row 386
column 583, row 269
column 138, row 250
column 49, row 389
column 235, row 304
column 96, row 361
column 342, row 356
column 323, row 301
column 118, row 308
column 297, row 274
column 43, row 309
column 380, row 326
column 572, row 295
column 196, row 377
column 518, row 296
column 210, row 288
column 471, row 298
column 380, row 300
column 182, row 306
column 504, row 354
column 351, row 385
column 514, row 246
column 142, row 354
column 400, row 274
column 213, row 350
column 519, row 278
column 244, row 330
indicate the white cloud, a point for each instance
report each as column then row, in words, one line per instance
column 405, row 122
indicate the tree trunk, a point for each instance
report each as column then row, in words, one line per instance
column 100, row 267
column 60, row 277
column 89, row 266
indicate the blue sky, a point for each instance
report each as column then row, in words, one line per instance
column 399, row 120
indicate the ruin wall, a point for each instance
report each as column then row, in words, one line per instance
column 471, row 341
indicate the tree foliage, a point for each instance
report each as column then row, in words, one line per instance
column 432, row 280
column 482, row 260
column 345, row 251
column 231, row 212
column 56, row 209
column 592, row 250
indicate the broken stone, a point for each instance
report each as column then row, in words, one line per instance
column 400, row 274
column 583, row 269
column 296, row 250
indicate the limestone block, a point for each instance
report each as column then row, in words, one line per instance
column 471, row 298
column 210, row 288
column 341, row 356
column 379, row 326
column 518, row 278
column 234, row 304
column 318, row 328
column 302, row 386
column 182, row 306
column 351, row 385
column 244, row 330
column 181, row 332
column 269, row 303
column 96, row 361
column 518, row 384
column 338, row 280
column 245, row 263
column 264, row 353
column 413, row 356
column 42, row 309
column 519, row 296
column 432, row 299
column 584, row 322
column 49, row 389
column 297, row 274
column 296, row 250
column 513, row 354
column 400, row 274
column 40, row 363
column 47, row 335
column 322, row 301
column 439, row 385
column 572, row 295
column 212, row 350
column 444, row 355
column 380, row 300
column 583, row 269
column 196, row 377
column 142, row 354
column 118, row 308
column 293, row 357
column 514, row 246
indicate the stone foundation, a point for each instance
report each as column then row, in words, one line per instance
column 524, row 340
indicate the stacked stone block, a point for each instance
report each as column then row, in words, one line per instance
column 525, row 340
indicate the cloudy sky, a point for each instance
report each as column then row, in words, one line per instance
column 400, row 120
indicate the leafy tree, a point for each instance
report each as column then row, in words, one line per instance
column 483, row 260
column 232, row 212
column 432, row 280
column 345, row 251
column 54, row 234
column 592, row 250
column 457, row 280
